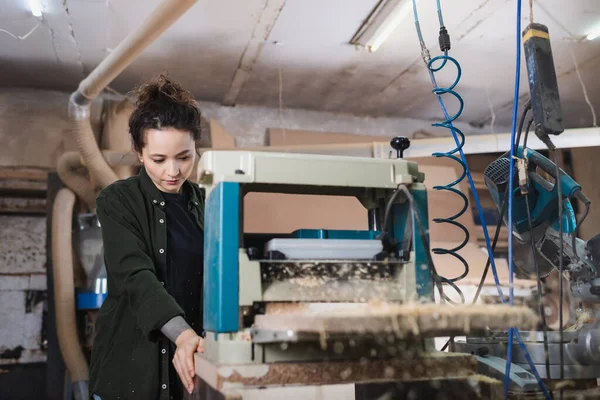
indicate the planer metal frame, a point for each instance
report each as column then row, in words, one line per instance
column 236, row 281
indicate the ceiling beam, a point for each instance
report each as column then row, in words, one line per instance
column 261, row 32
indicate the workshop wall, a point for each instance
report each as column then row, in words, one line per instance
column 34, row 132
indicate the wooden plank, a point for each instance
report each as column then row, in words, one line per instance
column 27, row 173
column 403, row 321
column 24, row 185
column 284, row 213
column 219, row 137
column 401, row 369
column 291, row 137
column 585, row 169
column 16, row 205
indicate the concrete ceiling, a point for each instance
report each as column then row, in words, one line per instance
column 295, row 53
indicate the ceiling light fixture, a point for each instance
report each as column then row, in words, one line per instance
column 36, row 7
column 383, row 20
column 595, row 33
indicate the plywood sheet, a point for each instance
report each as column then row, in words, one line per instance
column 281, row 137
column 585, row 169
column 284, row 213
column 219, row 137
column 451, row 267
column 404, row 321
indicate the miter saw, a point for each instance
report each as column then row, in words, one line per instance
column 580, row 258
column 535, row 218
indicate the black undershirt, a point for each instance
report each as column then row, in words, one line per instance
column 185, row 249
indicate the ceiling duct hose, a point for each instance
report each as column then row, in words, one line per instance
column 64, row 292
column 69, row 168
column 163, row 16
column 88, row 147
column 71, row 171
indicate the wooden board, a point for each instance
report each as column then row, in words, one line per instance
column 401, row 369
column 450, row 267
column 585, row 170
column 404, row 321
column 291, row 137
column 219, row 137
column 284, row 213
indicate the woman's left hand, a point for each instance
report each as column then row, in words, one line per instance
column 187, row 344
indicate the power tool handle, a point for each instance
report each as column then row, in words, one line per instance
column 568, row 185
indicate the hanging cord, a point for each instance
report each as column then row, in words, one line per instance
column 560, row 268
column 487, row 265
column 539, row 287
column 575, row 234
column 426, row 58
column 532, row 238
column 437, row 279
column 531, row 11
column 25, row 36
column 510, row 192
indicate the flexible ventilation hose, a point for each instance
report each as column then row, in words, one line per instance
column 70, row 170
column 64, row 292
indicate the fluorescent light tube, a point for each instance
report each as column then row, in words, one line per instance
column 594, row 34
column 384, row 19
column 36, row 7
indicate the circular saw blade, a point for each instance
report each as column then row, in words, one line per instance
column 524, row 260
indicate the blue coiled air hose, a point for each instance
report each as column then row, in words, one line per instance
column 459, row 139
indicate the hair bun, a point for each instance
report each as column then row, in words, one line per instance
column 159, row 88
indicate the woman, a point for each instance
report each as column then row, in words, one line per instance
column 150, row 324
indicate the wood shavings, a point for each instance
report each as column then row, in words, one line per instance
column 407, row 320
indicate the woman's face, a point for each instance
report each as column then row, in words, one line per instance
column 168, row 156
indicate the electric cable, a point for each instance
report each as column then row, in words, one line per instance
column 496, row 236
column 510, row 192
column 503, row 206
column 522, row 122
column 25, row 36
column 577, row 225
column 537, row 269
column 459, row 143
column 539, row 287
column 438, row 279
column 527, row 132
column 535, row 259
column 487, row 264
column 560, row 268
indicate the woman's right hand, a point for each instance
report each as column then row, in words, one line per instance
column 187, row 344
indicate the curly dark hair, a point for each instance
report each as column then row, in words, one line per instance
column 163, row 103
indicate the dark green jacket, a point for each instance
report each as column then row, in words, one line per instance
column 130, row 358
